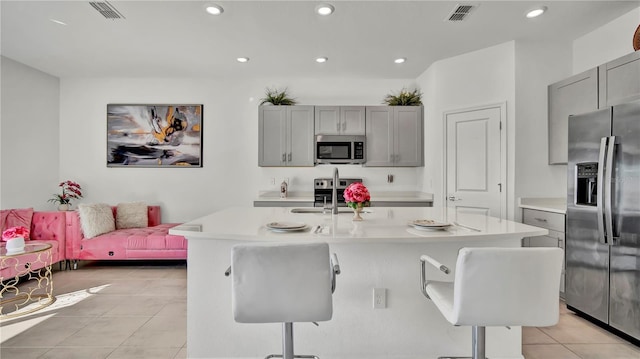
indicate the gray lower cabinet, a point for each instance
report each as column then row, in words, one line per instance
column 340, row 120
column 577, row 94
column 394, row 136
column 620, row 80
column 555, row 223
column 285, row 136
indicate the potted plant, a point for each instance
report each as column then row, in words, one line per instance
column 404, row 98
column 70, row 190
column 276, row 97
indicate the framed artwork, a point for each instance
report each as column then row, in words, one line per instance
column 154, row 135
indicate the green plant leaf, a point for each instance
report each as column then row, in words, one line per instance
column 276, row 97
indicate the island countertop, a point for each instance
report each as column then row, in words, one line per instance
column 391, row 224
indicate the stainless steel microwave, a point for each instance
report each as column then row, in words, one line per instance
column 340, row 149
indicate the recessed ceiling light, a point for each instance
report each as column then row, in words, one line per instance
column 536, row 12
column 321, row 59
column 214, row 9
column 243, row 59
column 325, row 9
column 58, row 22
column 400, row 60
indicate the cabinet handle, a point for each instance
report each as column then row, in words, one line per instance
column 284, row 157
column 344, row 126
column 338, row 126
column 289, row 156
column 540, row 219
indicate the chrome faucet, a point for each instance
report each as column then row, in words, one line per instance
column 334, row 191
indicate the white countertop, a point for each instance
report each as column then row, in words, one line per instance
column 376, row 196
column 555, row 205
column 386, row 225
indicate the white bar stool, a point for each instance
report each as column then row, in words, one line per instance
column 497, row 287
column 283, row 283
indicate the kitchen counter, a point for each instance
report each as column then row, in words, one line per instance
column 382, row 251
column 555, row 205
column 378, row 198
column 380, row 225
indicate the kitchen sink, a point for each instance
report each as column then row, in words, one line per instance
column 325, row 211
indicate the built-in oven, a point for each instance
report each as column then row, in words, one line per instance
column 340, row 149
column 323, row 187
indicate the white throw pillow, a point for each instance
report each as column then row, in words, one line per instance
column 132, row 215
column 96, row 219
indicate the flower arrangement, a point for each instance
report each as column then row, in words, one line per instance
column 15, row 232
column 70, row 190
column 357, row 195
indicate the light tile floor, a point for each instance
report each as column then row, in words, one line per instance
column 131, row 310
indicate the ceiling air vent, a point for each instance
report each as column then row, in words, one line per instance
column 460, row 12
column 107, row 10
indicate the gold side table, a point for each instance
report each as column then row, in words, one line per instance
column 30, row 289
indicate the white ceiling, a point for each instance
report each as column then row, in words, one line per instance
column 361, row 39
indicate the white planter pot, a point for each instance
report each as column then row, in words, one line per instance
column 15, row 245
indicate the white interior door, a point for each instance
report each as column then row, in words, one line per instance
column 476, row 161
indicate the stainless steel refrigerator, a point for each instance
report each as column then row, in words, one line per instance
column 603, row 217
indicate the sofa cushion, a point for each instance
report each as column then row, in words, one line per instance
column 131, row 215
column 16, row 218
column 96, row 219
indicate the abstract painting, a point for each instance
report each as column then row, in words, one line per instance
column 154, row 135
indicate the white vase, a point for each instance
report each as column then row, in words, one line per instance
column 15, row 245
column 63, row 207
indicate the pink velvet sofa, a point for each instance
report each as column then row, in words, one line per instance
column 151, row 242
column 46, row 227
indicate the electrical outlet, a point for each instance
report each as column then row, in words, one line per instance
column 273, row 181
column 379, row 298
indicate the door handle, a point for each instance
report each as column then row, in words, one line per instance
column 608, row 193
column 600, row 190
column 453, row 198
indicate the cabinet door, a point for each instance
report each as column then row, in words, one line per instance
column 620, row 80
column 327, row 120
column 271, row 137
column 408, row 136
column 352, row 120
column 300, row 136
column 380, row 135
column 575, row 95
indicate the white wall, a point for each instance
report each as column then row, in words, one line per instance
column 538, row 64
column 30, row 137
column 478, row 78
column 230, row 175
column 606, row 43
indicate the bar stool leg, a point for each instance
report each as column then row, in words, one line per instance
column 478, row 342
column 287, row 340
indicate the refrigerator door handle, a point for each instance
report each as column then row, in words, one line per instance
column 608, row 184
column 600, row 189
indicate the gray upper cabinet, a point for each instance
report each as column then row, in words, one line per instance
column 340, row 120
column 620, row 80
column 394, row 136
column 577, row 94
column 285, row 136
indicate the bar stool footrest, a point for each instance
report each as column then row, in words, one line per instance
column 295, row 356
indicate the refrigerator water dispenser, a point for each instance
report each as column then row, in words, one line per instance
column 587, row 184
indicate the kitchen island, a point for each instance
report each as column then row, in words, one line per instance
column 380, row 252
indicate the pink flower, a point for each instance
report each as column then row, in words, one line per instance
column 15, row 232
column 356, row 193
